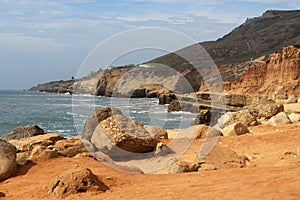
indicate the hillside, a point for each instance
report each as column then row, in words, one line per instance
column 256, row 37
column 234, row 54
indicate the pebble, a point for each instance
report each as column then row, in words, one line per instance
column 298, row 151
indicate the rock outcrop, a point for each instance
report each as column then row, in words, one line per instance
column 8, row 165
column 260, row 76
column 23, row 132
column 78, row 180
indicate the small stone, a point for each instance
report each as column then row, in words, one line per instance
column 298, row 151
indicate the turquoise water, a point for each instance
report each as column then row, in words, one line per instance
column 66, row 114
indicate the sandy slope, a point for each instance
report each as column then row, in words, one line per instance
column 272, row 173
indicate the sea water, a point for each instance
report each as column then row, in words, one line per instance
column 66, row 114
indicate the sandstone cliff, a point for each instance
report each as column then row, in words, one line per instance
column 278, row 72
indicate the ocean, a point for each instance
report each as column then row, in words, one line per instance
column 66, row 114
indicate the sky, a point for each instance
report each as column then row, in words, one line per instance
column 42, row 41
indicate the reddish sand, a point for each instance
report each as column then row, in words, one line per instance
column 272, row 173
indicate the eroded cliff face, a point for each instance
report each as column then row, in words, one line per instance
column 278, row 72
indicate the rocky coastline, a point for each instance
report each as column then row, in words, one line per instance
column 244, row 143
column 121, row 143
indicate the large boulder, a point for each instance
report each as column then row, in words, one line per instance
column 279, row 119
column 23, row 132
column 220, row 158
column 269, row 110
column 8, row 165
column 243, row 116
column 76, row 181
column 235, row 129
column 95, row 118
column 118, row 136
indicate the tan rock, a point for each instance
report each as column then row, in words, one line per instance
column 294, row 117
column 94, row 119
column 269, row 110
column 8, row 165
column 279, row 119
column 222, row 158
column 28, row 144
column 182, row 167
column 243, row 116
column 235, row 129
column 131, row 138
column 75, row 181
column 47, row 146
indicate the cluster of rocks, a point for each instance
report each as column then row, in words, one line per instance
column 246, row 111
column 113, row 137
column 236, row 123
column 29, row 144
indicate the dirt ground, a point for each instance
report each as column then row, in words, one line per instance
column 273, row 172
